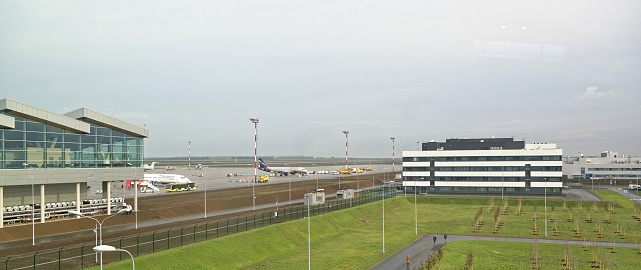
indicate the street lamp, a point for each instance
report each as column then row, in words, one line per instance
column 33, row 216
column 384, row 215
column 346, row 133
column 205, row 176
column 393, row 152
column 545, row 188
column 255, row 121
column 120, row 212
column 502, row 188
column 107, row 248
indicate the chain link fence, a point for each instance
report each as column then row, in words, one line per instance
column 82, row 255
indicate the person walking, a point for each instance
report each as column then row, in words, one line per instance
column 408, row 260
column 445, row 236
column 434, row 240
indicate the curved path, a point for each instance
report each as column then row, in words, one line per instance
column 424, row 247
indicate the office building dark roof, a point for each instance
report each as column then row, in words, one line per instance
column 474, row 144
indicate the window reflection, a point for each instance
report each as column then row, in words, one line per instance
column 45, row 146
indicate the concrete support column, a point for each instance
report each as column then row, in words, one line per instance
column 1, row 207
column 42, row 203
column 136, row 201
column 108, row 198
column 78, row 198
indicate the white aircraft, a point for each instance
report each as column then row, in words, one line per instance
column 149, row 167
column 282, row 170
column 161, row 178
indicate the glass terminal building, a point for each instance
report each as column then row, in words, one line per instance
column 61, row 153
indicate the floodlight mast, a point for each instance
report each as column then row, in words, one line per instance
column 393, row 152
column 346, row 133
column 255, row 121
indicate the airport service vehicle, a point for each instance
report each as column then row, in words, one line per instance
column 356, row 170
column 635, row 187
column 162, row 178
column 263, row 179
column 282, row 170
column 174, row 187
column 344, row 171
column 367, row 169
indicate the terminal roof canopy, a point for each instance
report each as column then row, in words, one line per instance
column 108, row 121
column 69, row 121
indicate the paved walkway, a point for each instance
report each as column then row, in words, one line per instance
column 423, row 248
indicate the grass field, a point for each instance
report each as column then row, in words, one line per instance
column 352, row 238
column 511, row 255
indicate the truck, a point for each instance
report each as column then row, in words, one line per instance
column 263, row 179
column 635, row 187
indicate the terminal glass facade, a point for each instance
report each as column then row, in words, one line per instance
column 43, row 145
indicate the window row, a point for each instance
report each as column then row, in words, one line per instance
column 482, row 179
column 484, row 169
column 484, row 158
column 614, row 169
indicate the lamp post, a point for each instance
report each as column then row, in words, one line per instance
column 346, row 133
column 33, row 216
column 309, row 239
column 393, row 152
column 120, row 212
column 255, row 121
column 502, row 179
column 107, row 248
column 384, row 215
column 415, row 211
column 205, row 176
column 545, row 188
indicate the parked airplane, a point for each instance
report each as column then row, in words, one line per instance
column 282, row 170
column 161, row 178
column 149, row 167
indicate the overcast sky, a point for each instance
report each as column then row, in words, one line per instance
column 567, row 72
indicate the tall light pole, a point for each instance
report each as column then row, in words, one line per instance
column 346, row 132
column 415, row 211
column 122, row 211
column 189, row 162
column 33, row 216
column 393, row 152
column 309, row 239
column 384, row 216
column 502, row 187
column 205, row 176
column 545, row 187
column 255, row 121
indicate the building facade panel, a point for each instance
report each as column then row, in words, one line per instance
column 416, row 173
column 480, row 174
column 478, row 184
column 416, row 183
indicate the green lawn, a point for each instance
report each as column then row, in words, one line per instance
column 511, row 255
column 352, row 238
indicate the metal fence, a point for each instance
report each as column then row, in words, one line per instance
column 82, row 255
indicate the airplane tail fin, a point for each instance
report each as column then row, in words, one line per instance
column 262, row 166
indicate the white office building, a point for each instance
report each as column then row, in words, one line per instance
column 484, row 166
column 609, row 167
